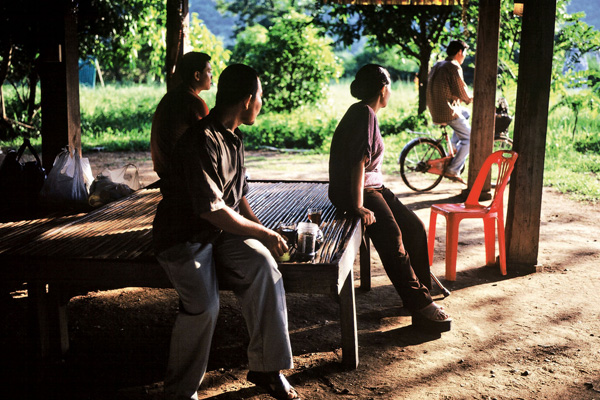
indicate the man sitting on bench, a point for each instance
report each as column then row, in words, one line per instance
column 204, row 228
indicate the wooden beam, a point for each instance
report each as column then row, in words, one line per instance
column 484, row 89
column 59, row 79
column 177, row 32
column 531, row 123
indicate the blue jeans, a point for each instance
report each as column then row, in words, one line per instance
column 461, row 141
column 245, row 265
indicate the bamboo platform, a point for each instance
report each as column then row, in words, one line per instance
column 111, row 247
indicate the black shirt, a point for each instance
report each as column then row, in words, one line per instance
column 206, row 173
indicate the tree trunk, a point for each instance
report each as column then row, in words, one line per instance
column 424, row 57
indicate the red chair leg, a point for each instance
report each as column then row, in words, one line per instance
column 431, row 237
column 501, row 244
column 451, row 246
column 489, row 230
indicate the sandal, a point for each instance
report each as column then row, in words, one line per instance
column 432, row 319
column 435, row 313
column 274, row 383
column 454, row 177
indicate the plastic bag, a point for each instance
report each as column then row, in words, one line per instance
column 113, row 185
column 124, row 176
column 20, row 182
column 69, row 180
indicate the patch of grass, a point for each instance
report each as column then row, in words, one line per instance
column 572, row 163
column 119, row 118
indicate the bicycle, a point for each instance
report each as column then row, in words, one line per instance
column 424, row 160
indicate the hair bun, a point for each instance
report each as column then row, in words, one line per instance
column 355, row 90
column 368, row 82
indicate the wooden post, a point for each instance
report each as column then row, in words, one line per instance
column 484, row 89
column 177, row 31
column 531, row 123
column 59, row 79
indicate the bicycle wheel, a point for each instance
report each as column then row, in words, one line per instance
column 414, row 164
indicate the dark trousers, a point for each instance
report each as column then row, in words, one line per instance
column 400, row 239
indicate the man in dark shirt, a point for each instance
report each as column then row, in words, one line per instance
column 204, row 228
column 180, row 107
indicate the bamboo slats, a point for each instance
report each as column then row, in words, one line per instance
column 275, row 202
column 122, row 230
column 16, row 234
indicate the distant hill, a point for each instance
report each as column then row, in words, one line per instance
column 215, row 22
column 591, row 8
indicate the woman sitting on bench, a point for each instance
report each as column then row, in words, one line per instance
column 356, row 186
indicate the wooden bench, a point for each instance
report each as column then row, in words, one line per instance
column 111, row 247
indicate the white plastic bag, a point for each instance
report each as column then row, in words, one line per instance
column 112, row 185
column 69, row 180
column 124, row 176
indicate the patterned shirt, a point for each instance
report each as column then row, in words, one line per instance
column 206, row 173
column 446, row 88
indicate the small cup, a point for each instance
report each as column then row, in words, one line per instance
column 314, row 215
column 288, row 231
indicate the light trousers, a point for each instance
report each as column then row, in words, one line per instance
column 245, row 265
column 461, row 140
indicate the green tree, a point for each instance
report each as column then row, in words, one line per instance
column 249, row 44
column 127, row 37
column 260, row 12
column 294, row 61
column 576, row 101
column 138, row 54
column 201, row 39
column 573, row 40
column 416, row 30
column 509, row 41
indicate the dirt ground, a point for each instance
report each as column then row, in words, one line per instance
column 520, row 336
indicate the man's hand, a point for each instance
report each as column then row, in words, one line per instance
column 276, row 243
column 367, row 216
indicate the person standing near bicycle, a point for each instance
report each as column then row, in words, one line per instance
column 356, row 187
column 446, row 91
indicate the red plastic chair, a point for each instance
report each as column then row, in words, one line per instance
column 471, row 208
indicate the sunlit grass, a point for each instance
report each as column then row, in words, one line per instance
column 119, row 118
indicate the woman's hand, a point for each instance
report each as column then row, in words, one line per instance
column 367, row 216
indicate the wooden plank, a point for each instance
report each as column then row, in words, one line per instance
column 365, row 263
column 348, row 324
column 531, row 121
column 484, row 89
